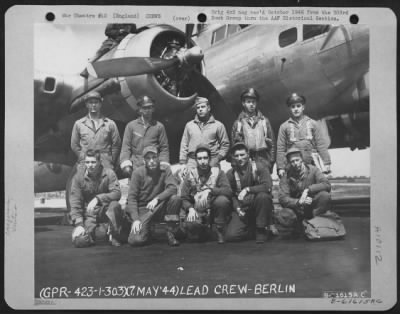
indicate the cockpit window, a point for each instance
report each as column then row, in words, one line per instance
column 288, row 37
column 219, row 34
column 233, row 28
column 310, row 31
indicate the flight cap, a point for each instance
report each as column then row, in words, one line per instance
column 239, row 146
column 150, row 149
column 200, row 100
column 93, row 94
column 203, row 147
column 145, row 100
column 293, row 150
column 250, row 93
column 82, row 241
column 295, row 99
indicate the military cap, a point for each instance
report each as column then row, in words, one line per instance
column 82, row 241
column 150, row 149
column 250, row 93
column 238, row 146
column 295, row 99
column 93, row 94
column 144, row 100
column 200, row 100
column 293, row 150
column 203, row 147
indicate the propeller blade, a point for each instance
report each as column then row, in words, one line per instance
column 129, row 66
column 188, row 31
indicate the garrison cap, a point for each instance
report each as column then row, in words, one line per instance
column 238, row 146
column 250, row 93
column 201, row 147
column 293, row 150
column 150, row 149
column 200, row 100
column 295, row 99
column 145, row 100
column 82, row 241
column 93, row 94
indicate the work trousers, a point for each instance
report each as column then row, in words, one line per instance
column 289, row 221
column 258, row 214
column 112, row 214
column 167, row 211
column 219, row 211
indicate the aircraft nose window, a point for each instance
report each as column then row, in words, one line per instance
column 49, row 84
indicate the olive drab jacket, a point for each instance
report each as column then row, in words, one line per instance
column 291, row 187
column 105, row 138
column 137, row 136
column 306, row 136
column 105, row 187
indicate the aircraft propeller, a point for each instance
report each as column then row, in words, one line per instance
column 131, row 66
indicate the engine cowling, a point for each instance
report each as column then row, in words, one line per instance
column 154, row 42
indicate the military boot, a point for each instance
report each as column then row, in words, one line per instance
column 171, row 237
column 220, row 234
column 261, row 235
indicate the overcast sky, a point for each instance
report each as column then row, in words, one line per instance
column 65, row 49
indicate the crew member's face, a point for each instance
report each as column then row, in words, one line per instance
column 92, row 164
column 297, row 110
column 241, row 157
column 147, row 111
column 151, row 161
column 203, row 109
column 203, row 161
column 296, row 162
column 93, row 105
column 249, row 104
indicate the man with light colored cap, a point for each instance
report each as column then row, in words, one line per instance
column 252, row 199
column 142, row 132
column 203, row 129
column 304, row 133
column 206, row 197
column 304, row 192
column 96, row 132
column 254, row 129
column 95, row 193
column 151, row 198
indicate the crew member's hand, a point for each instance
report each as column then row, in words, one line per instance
column 243, row 193
column 240, row 212
column 281, row 173
column 78, row 231
column 136, row 226
column 152, row 204
column 127, row 171
column 92, row 205
column 192, row 215
column 164, row 165
column 308, row 200
column 303, row 197
column 183, row 171
column 327, row 169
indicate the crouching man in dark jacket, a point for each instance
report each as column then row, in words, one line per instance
column 252, row 200
column 95, row 193
column 206, row 197
column 304, row 192
column 151, row 198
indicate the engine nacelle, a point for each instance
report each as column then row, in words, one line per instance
column 154, row 42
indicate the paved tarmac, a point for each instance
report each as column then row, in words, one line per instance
column 310, row 268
